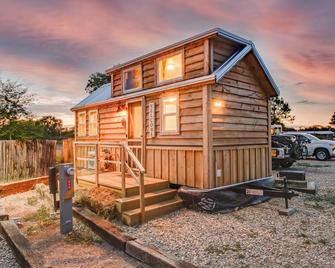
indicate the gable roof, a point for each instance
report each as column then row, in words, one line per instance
column 211, row 32
column 101, row 94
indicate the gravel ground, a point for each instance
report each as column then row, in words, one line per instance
column 255, row 236
column 7, row 258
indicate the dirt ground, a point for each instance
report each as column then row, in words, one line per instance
column 81, row 248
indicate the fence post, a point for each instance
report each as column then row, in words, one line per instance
column 123, row 170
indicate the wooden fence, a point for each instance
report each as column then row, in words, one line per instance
column 26, row 159
column 67, row 151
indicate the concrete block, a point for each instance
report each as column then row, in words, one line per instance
column 287, row 211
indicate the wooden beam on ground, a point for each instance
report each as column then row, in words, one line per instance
column 25, row 255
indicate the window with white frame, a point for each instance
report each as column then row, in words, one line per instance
column 132, row 78
column 93, row 123
column 169, row 115
column 170, row 67
column 81, row 124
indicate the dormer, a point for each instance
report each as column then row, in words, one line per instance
column 192, row 58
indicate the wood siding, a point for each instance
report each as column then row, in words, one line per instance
column 179, row 165
column 190, row 119
column 240, row 128
column 221, row 50
column 240, row 163
column 243, row 117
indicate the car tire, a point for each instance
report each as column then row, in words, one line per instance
column 321, row 154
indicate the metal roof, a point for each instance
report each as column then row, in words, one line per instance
column 103, row 93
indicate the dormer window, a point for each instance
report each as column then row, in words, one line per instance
column 170, row 67
column 132, row 78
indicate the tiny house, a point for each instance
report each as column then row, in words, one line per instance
column 195, row 113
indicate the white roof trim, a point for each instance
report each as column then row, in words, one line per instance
column 183, row 83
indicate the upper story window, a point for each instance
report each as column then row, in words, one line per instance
column 81, row 124
column 170, row 67
column 132, row 78
column 169, row 115
column 93, row 123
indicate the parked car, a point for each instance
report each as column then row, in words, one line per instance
column 285, row 151
column 321, row 149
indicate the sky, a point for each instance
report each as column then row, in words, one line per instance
column 53, row 46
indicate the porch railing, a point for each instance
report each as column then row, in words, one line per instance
column 119, row 157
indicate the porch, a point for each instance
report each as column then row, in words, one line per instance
column 117, row 166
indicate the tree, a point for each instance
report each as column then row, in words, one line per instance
column 280, row 111
column 22, row 130
column 96, row 80
column 14, row 101
column 332, row 120
column 52, row 126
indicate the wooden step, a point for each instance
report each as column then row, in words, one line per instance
column 132, row 217
column 148, row 187
column 133, row 202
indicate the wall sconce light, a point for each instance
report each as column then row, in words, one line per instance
column 218, row 103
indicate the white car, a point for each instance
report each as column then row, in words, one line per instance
column 321, row 149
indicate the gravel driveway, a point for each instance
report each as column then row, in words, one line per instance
column 255, row 236
column 7, row 258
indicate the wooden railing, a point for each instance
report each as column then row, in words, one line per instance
column 124, row 160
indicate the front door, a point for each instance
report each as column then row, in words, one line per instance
column 135, row 128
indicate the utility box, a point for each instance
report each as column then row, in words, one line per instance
column 66, row 193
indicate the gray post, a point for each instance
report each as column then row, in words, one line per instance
column 66, row 193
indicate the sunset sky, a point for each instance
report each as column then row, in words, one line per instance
column 53, row 46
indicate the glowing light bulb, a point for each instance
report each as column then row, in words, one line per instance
column 218, row 104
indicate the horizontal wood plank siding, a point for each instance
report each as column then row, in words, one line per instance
column 190, row 119
column 117, row 84
column 242, row 117
column 222, row 49
column 111, row 123
column 196, row 56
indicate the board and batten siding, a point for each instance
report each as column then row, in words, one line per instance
column 196, row 64
column 240, row 128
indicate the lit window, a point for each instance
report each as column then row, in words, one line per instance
column 170, row 67
column 169, row 115
column 82, row 124
column 93, row 123
column 132, row 78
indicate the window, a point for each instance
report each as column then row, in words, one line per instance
column 82, row 124
column 132, row 78
column 170, row 67
column 93, row 123
column 169, row 115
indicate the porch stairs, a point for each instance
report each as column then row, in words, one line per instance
column 159, row 198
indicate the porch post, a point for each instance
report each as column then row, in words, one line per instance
column 123, row 171
column 97, row 164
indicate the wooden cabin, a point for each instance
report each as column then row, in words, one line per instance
column 195, row 113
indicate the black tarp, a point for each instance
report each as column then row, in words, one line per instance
column 223, row 201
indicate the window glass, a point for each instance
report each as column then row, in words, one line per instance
column 169, row 115
column 132, row 78
column 170, row 68
column 92, row 123
column 81, row 124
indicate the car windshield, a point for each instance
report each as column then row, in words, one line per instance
column 311, row 137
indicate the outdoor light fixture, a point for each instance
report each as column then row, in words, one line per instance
column 218, row 104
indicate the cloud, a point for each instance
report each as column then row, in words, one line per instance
column 52, row 46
